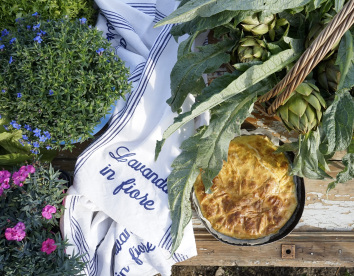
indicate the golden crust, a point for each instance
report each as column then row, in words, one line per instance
column 253, row 195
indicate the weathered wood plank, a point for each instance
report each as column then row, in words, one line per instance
column 315, row 249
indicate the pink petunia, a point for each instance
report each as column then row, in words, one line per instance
column 48, row 246
column 4, row 175
column 48, row 210
column 5, row 184
column 20, row 226
column 10, row 234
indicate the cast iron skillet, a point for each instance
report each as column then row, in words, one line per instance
column 284, row 231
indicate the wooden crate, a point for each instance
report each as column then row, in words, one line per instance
column 324, row 236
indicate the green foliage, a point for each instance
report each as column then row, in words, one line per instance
column 230, row 98
column 65, row 85
column 10, row 10
column 25, row 204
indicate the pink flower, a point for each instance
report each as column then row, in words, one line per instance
column 4, row 175
column 25, row 170
column 48, row 211
column 48, row 246
column 16, row 233
column 5, row 184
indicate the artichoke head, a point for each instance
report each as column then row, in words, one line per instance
column 328, row 75
column 303, row 109
column 258, row 25
column 252, row 49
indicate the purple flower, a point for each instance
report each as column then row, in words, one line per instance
column 12, row 40
column 38, row 39
column 10, row 61
column 36, row 144
column 83, row 20
column 48, row 246
column 100, row 51
column 4, row 32
column 2, row 46
column 37, row 132
column 19, row 95
column 42, row 138
column 27, row 127
column 51, row 92
column 35, row 14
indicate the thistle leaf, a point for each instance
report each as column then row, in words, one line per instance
column 345, row 61
column 207, row 8
column 346, row 174
column 186, row 74
column 180, row 183
column 250, row 77
column 309, row 160
column 338, row 122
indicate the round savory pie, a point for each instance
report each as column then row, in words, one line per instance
column 253, row 196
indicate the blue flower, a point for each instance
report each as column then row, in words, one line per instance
column 29, row 27
column 12, row 40
column 42, row 138
column 35, row 14
column 12, row 122
column 51, row 92
column 24, row 137
column 38, row 39
column 37, row 132
column 18, row 19
column 28, row 127
column 47, row 134
column 36, row 144
column 10, row 61
column 100, row 51
column 3, row 91
column 113, row 88
column 16, row 125
column 35, row 27
column 90, row 26
column 0, row 116
column 19, row 95
column 5, row 127
column 34, row 151
column 4, row 32
column 21, row 142
column 83, row 20
column 41, row 33
column 2, row 46
column 48, row 147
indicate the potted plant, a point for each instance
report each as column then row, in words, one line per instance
column 31, row 205
column 58, row 79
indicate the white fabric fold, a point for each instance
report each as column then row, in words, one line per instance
column 117, row 210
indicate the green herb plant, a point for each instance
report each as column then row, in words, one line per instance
column 57, row 80
column 257, row 41
column 48, row 9
column 30, row 241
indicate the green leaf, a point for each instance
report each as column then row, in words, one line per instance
column 351, row 146
column 186, row 45
column 186, row 75
column 13, row 159
column 309, row 160
column 338, row 122
column 180, row 183
column 207, row 8
column 345, row 59
column 338, row 5
column 200, row 24
column 346, row 174
column 250, row 77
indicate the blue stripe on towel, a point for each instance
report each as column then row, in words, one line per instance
column 117, row 20
column 118, row 123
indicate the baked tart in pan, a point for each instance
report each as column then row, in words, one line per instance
column 254, row 200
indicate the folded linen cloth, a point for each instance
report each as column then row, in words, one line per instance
column 117, row 210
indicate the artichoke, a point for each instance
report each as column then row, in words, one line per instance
column 328, row 75
column 303, row 109
column 252, row 49
column 257, row 25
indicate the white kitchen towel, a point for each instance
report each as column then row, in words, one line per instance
column 117, row 210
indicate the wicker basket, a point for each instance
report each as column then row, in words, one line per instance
column 340, row 23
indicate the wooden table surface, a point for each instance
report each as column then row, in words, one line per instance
column 324, row 237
